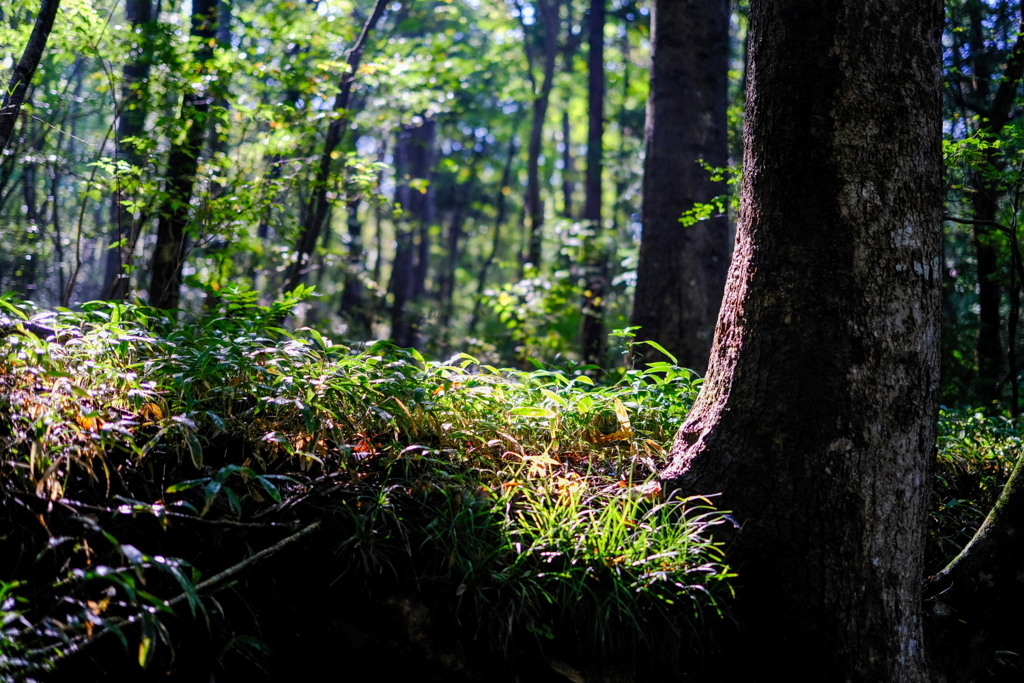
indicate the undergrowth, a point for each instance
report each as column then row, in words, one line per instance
column 526, row 499
column 524, row 503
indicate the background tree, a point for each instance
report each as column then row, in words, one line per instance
column 176, row 212
column 681, row 271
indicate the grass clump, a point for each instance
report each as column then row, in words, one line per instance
column 523, row 504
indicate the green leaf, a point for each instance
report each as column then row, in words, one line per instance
column 527, row 411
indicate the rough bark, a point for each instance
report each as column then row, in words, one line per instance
column 21, row 77
column 681, row 271
column 131, row 123
column 817, row 419
column 548, row 10
column 314, row 216
column 182, row 163
column 414, row 160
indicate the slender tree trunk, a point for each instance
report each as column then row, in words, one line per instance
column 314, row 216
column 595, row 109
column 817, row 420
column 447, row 279
column 568, row 172
column 499, row 221
column 353, row 306
column 414, row 160
column 21, row 77
column 548, row 10
column 131, row 123
column 681, row 271
column 595, row 257
column 175, row 212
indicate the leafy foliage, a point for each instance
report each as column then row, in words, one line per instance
column 526, row 495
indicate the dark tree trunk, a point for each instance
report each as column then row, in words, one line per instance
column 353, row 306
column 314, row 216
column 21, row 77
column 414, row 160
column 499, row 221
column 447, row 280
column 817, row 421
column 131, row 123
column 595, row 109
column 568, row 172
column 548, row 10
column 681, row 272
column 175, row 212
column 592, row 336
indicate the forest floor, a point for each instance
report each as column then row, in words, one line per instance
column 211, row 498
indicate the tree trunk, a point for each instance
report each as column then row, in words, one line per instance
column 681, row 271
column 131, row 123
column 175, row 212
column 499, row 221
column 592, row 336
column 595, row 109
column 314, row 216
column 817, row 421
column 548, row 10
column 21, row 77
column 414, row 160
column 353, row 308
column 447, row 280
column 568, row 172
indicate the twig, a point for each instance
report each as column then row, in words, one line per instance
column 230, row 571
column 178, row 515
column 84, row 641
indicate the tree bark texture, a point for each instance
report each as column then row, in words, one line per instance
column 21, row 77
column 414, row 160
column 817, row 419
column 176, row 209
column 681, row 271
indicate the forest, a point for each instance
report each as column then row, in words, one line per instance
column 511, row 340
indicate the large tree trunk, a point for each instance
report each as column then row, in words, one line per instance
column 817, row 419
column 21, row 77
column 175, row 212
column 681, row 272
column 131, row 123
